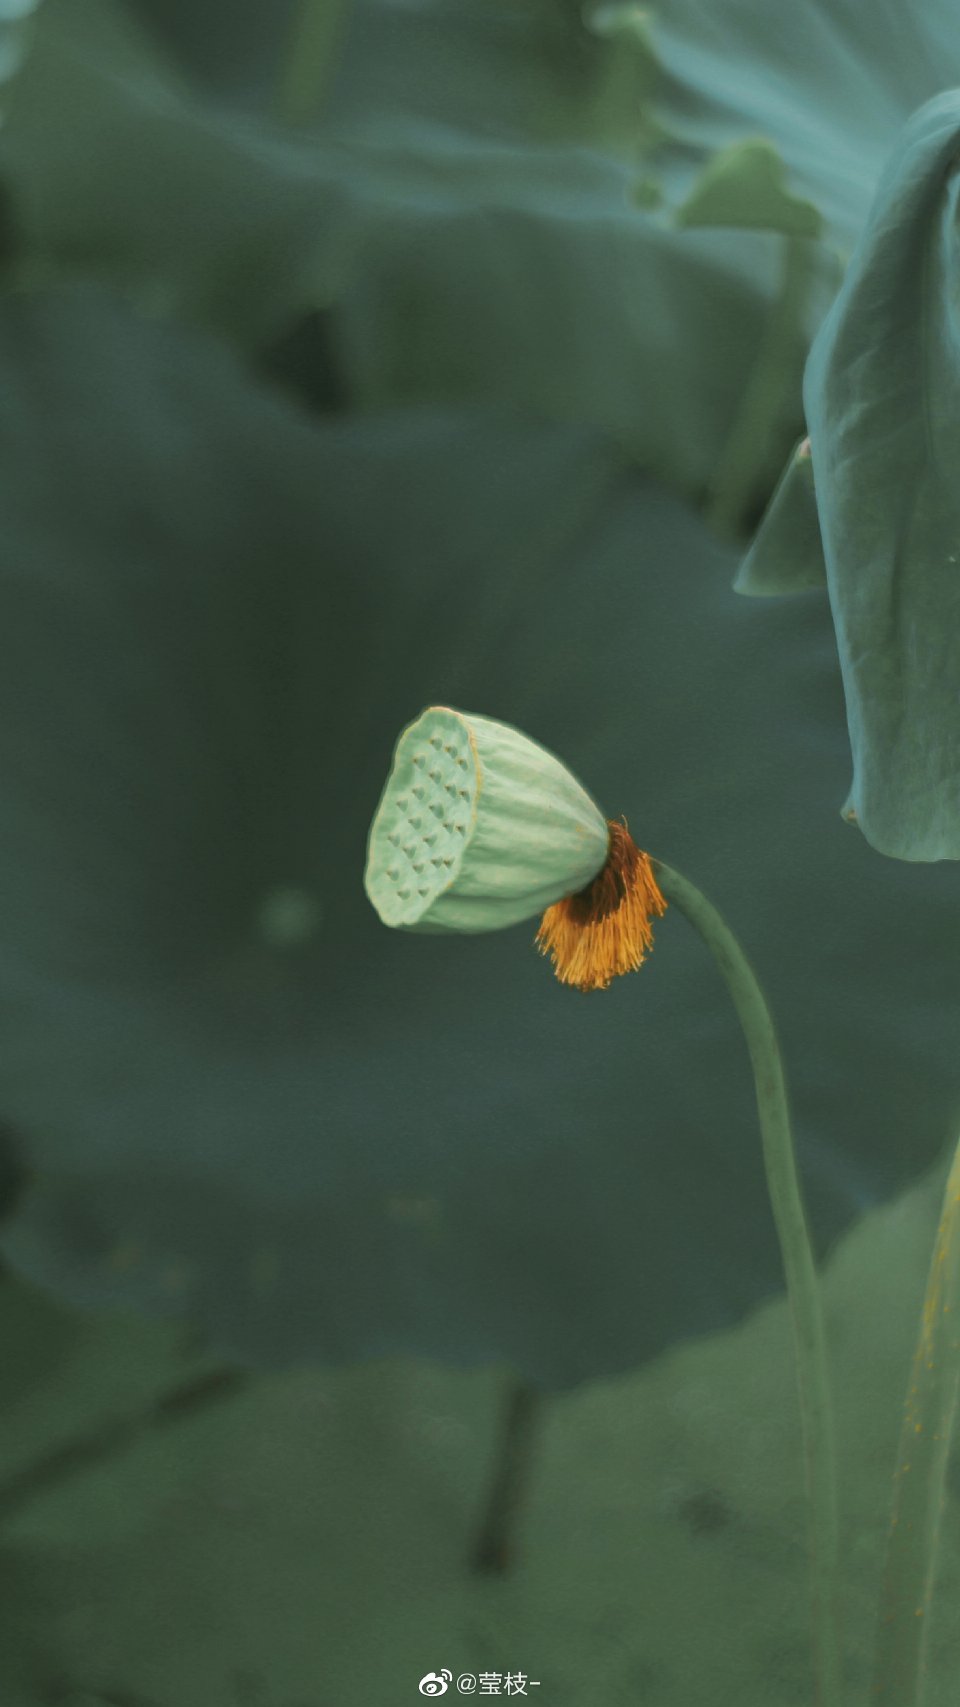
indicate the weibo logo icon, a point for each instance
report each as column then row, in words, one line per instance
column 435, row 1682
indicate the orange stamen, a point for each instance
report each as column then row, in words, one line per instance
column 604, row 930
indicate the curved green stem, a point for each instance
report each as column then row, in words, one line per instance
column 308, row 59
column 783, row 1183
column 920, row 1482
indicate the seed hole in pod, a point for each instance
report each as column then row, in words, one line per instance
column 448, row 862
column 395, row 839
column 394, row 873
column 431, row 838
column 464, row 793
column 419, row 865
column 438, row 809
column 436, row 860
column 419, row 791
column 463, row 764
column 450, row 787
column 410, row 849
column 416, row 823
column 404, row 894
column 435, row 776
column 423, row 891
column 403, row 804
column 435, row 741
column 420, row 760
column 449, row 749
column 460, row 829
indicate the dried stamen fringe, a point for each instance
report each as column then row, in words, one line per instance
column 604, row 930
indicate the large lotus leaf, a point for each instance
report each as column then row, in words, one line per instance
column 881, row 395
column 874, row 509
column 813, row 95
column 112, row 172
column 244, row 1099
column 455, row 252
column 780, row 120
column 829, row 84
column 76, row 1393
column 555, row 70
column 305, row 1541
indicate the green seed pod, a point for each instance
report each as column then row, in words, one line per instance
column 478, row 827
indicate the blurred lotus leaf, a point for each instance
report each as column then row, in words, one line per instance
column 829, row 85
column 744, row 186
column 460, row 219
column 16, row 25
column 241, row 1098
column 16, row 18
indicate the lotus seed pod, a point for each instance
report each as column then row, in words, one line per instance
column 477, row 828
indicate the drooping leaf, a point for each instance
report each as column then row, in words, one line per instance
column 245, row 1101
column 881, row 402
column 880, row 395
column 786, row 553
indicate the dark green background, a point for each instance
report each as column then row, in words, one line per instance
column 469, row 387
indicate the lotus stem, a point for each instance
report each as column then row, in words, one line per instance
column 812, row 1363
column 307, row 61
column 920, row 1478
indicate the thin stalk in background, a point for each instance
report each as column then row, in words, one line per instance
column 920, row 1478
column 494, row 1547
column 308, row 60
column 771, row 383
column 813, row 1375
